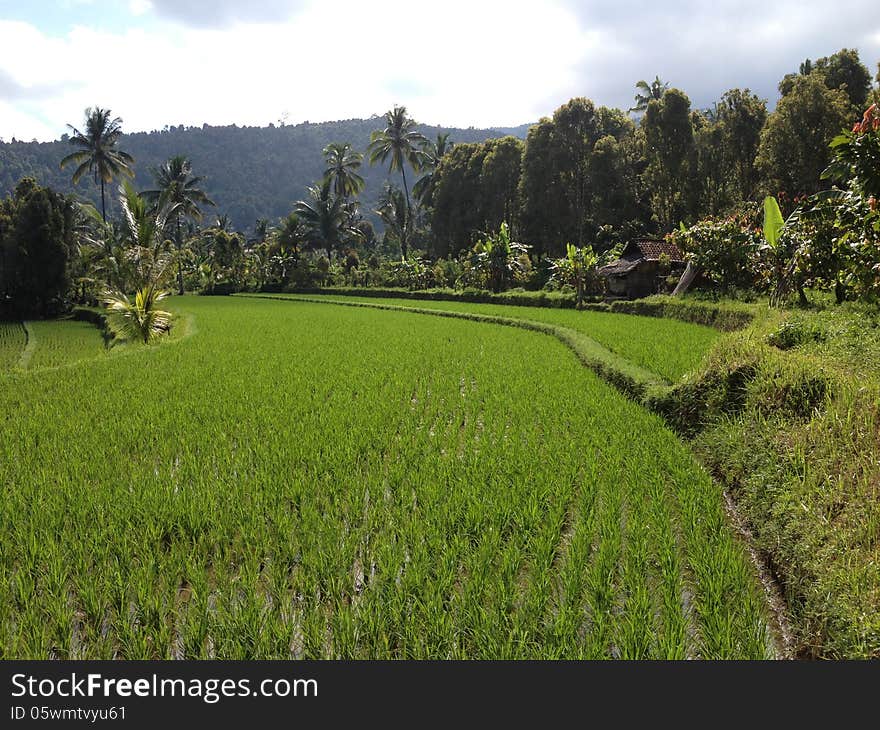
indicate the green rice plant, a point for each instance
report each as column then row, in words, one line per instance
column 355, row 483
column 12, row 342
column 668, row 347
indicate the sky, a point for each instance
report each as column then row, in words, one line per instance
column 459, row 63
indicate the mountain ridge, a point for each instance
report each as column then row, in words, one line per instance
column 250, row 172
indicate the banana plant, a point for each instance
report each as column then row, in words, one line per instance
column 775, row 244
column 575, row 269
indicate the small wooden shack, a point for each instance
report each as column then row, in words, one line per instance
column 642, row 268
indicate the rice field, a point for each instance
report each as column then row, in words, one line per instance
column 667, row 347
column 13, row 340
column 48, row 343
column 312, row 481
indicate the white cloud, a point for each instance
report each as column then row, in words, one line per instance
column 498, row 62
column 486, row 63
column 139, row 7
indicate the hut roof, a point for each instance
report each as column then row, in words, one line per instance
column 653, row 250
column 638, row 251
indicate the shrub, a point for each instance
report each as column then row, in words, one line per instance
column 795, row 332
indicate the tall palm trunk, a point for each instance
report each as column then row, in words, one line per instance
column 179, row 263
column 103, row 205
column 403, row 239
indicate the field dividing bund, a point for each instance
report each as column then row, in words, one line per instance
column 312, row 481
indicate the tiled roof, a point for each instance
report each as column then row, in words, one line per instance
column 652, row 250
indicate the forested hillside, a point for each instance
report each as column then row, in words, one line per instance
column 250, row 172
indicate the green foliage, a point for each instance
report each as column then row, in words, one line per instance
column 857, row 156
column 36, row 245
column 400, row 144
column 578, row 270
column 795, row 332
column 725, row 250
column 842, row 70
column 495, row 261
column 432, row 153
column 794, row 143
column 773, row 222
column 342, row 164
column 98, row 152
column 475, row 189
column 326, row 219
column 646, row 92
column 178, row 187
column 671, row 149
column 138, row 319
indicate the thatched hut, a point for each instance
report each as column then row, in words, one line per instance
column 642, row 268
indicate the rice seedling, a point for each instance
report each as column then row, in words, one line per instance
column 325, row 482
column 12, row 342
column 668, row 347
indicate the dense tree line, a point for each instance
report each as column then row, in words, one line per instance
column 37, row 244
column 468, row 211
column 591, row 176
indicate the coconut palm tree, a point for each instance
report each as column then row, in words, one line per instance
column 342, row 164
column 98, row 154
column 325, row 217
column 393, row 212
column 139, row 318
column 646, row 92
column 223, row 223
column 176, row 184
column 402, row 142
column 432, row 152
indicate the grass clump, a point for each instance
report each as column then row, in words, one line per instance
column 726, row 316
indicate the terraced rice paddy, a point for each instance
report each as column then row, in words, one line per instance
column 668, row 347
column 42, row 344
column 304, row 480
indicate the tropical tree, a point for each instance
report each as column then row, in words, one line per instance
column 342, row 164
column 671, row 151
column 498, row 260
column 143, row 236
column 326, row 218
column 401, row 142
column 288, row 241
column 646, row 92
column 393, row 212
column 793, row 151
column 139, row 317
column 98, row 154
column 432, row 153
column 176, row 185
